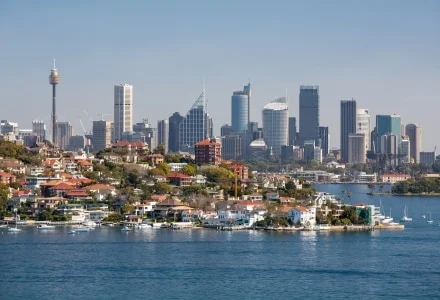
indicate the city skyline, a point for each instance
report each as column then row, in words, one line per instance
column 183, row 53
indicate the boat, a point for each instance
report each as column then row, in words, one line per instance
column 72, row 232
column 89, row 223
column 83, row 229
column 157, row 225
column 15, row 229
column 144, row 225
column 405, row 217
column 3, row 225
column 430, row 221
column 125, row 228
column 45, row 227
column 387, row 219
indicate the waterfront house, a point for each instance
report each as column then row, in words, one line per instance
column 101, row 190
column 145, row 208
column 302, row 215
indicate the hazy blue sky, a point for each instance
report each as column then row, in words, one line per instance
column 385, row 54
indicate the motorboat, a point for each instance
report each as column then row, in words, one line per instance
column 3, row 225
column 125, row 228
column 430, row 221
column 83, row 229
column 45, row 227
column 158, row 225
column 144, row 225
column 72, row 232
column 90, row 223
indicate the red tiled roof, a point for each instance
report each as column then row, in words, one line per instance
column 4, row 174
column 206, row 142
column 177, row 175
column 84, row 163
column 80, row 193
column 302, row 208
column 62, row 186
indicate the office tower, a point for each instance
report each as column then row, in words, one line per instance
column 173, row 134
column 427, row 158
column 196, row 126
column 405, row 150
column 9, row 127
column 390, row 148
column 39, row 128
column 373, row 140
column 317, row 154
column 387, row 125
column 225, row 130
column 76, row 143
column 123, row 111
column 258, row 150
column 309, row 150
column 54, row 79
column 276, row 124
column 208, row 152
column 162, row 134
column 145, row 133
column 324, row 138
column 348, row 125
column 308, row 113
column 102, row 134
column 363, row 126
column 240, row 109
column 292, row 131
column 287, row 152
column 414, row 133
column 231, row 147
column 357, row 151
column 63, row 131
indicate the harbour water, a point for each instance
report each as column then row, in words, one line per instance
column 207, row 264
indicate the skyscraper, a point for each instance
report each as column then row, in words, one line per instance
column 348, row 125
column 325, row 140
column 390, row 148
column 231, row 147
column 414, row 133
column 196, row 126
column 102, row 134
column 292, row 131
column 240, row 109
column 123, row 111
column 389, row 125
column 173, row 133
column 308, row 113
column 357, row 151
column 363, row 126
column 276, row 124
column 405, row 150
column 39, row 128
column 162, row 133
column 63, row 133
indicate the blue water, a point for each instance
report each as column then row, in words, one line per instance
column 207, row 264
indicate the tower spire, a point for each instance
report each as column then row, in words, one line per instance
column 54, row 67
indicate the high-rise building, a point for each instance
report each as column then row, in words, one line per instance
column 240, row 109
column 208, row 152
column 123, row 111
column 276, row 124
column 9, row 127
column 231, row 147
column 390, row 148
column 292, row 131
column 39, row 128
column 363, row 125
column 162, row 134
column 414, row 133
column 196, row 126
column 405, row 150
column 324, row 138
column 64, row 131
column 173, row 133
column 427, row 158
column 348, row 125
column 357, row 152
column 387, row 125
column 308, row 113
column 309, row 150
column 102, row 134
column 226, row 130
column 147, row 133
column 76, row 142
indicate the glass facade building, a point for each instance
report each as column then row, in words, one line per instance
column 308, row 113
column 276, row 124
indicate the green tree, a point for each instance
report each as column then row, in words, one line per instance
column 162, row 188
column 4, row 195
column 114, row 218
column 189, row 169
column 164, row 167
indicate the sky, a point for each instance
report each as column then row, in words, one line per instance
column 384, row 54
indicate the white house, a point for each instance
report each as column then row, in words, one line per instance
column 199, row 179
column 142, row 209
column 255, row 197
column 305, row 216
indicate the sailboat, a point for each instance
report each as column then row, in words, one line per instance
column 387, row 220
column 430, row 221
column 405, row 217
column 15, row 229
column 424, row 211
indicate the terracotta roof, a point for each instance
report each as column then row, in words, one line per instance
column 4, row 174
column 62, row 186
column 84, row 162
column 302, row 208
column 207, row 142
column 177, row 175
column 79, row 180
column 51, row 183
column 77, row 193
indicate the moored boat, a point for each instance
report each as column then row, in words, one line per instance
column 45, row 227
